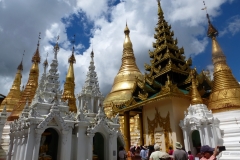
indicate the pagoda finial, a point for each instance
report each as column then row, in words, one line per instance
column 56, row 48
column 36, row 56
column 92, row 55
column 127, row 42
column 72, row 58
column 212, row 31
column 45, row 63
column 20, row 66
column 196, row 98
column 160, row 11
column 69, row 86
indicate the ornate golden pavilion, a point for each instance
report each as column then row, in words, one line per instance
column 160, row 96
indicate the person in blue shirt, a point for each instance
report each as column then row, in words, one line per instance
column 144, row 153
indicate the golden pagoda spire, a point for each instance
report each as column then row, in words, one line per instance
column 125, row 80
column 31, row 86
column 196, row 98
column 226, row 90
column 69, row 85
column 15, row 92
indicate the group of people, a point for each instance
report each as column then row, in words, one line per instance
column 154, row 153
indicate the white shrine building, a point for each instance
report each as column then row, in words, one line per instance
column 47, row 129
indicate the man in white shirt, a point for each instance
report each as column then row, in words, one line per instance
column 157, row 153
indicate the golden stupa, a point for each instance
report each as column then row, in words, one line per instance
column 15, row 93
column 225, row 94
column 69, row 85
column 195, row 96
column 125, row 81
column 30, row 87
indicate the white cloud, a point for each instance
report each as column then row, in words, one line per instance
column 20, row 29
column 233, row 26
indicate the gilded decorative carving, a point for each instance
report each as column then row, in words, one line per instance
column 164, row 123
column 142, row 96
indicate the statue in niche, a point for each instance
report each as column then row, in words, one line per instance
column 44, row 148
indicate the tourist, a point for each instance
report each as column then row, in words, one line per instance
column 170, row 151
column 190, row 156
column 178, row 153
column 209, row 153
column 122, row 153
column 155, row 155
column 144, row 153
column 150, row 150
column 164, row 156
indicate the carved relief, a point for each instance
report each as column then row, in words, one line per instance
column 163, row 123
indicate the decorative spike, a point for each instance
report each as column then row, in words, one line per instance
column 196, row 98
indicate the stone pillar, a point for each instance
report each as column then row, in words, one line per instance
column 24, row 143
column 82, row 104
column 92, row 104
column 186, row 139
column 112, row 147
column 66, row 143
column 127, row 137
column 141, row 128
column 30, row 144
column 38, row 136
column 81, row 139
column 9, row 154
column 14, row 151
column 20, row 142
column 207, row 141
column 90, row 146
column 201, row 135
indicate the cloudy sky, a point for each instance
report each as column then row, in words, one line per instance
column 99, row 25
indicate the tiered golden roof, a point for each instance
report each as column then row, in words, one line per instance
column 30, row 87
column 125, row 80
column 195, row 98
column 14, row 94
column 226, row 90
column 69, row 85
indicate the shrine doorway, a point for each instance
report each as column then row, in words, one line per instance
column 49, row 145
column 98, row 146
column 196, row 141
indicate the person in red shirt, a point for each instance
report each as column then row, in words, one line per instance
column 170, row 151
column 209, row 153
column 190, row 156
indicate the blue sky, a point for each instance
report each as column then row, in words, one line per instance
column 99, row 26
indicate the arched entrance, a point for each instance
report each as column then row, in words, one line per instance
column 196, row 140
column 98, row 146
column 49, row 145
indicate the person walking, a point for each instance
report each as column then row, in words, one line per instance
column 179, row 153
column 157, row 153
column 122, row 153
column 190, row 156
column 209, row 153
column 144, row 153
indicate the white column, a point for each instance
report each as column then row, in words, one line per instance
column 36, row 146
column 186, row 139
column 201, row 135
column 90, row 146
column 82, row 100
column 30, row 144
column 207, row 142
column 82, row 139
column 66, row 143
column 92, row 104
column 9, row 155
column 79, row 103
column 24, row 143
column 112, row 147
column 15, row 142
column 19, row 144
